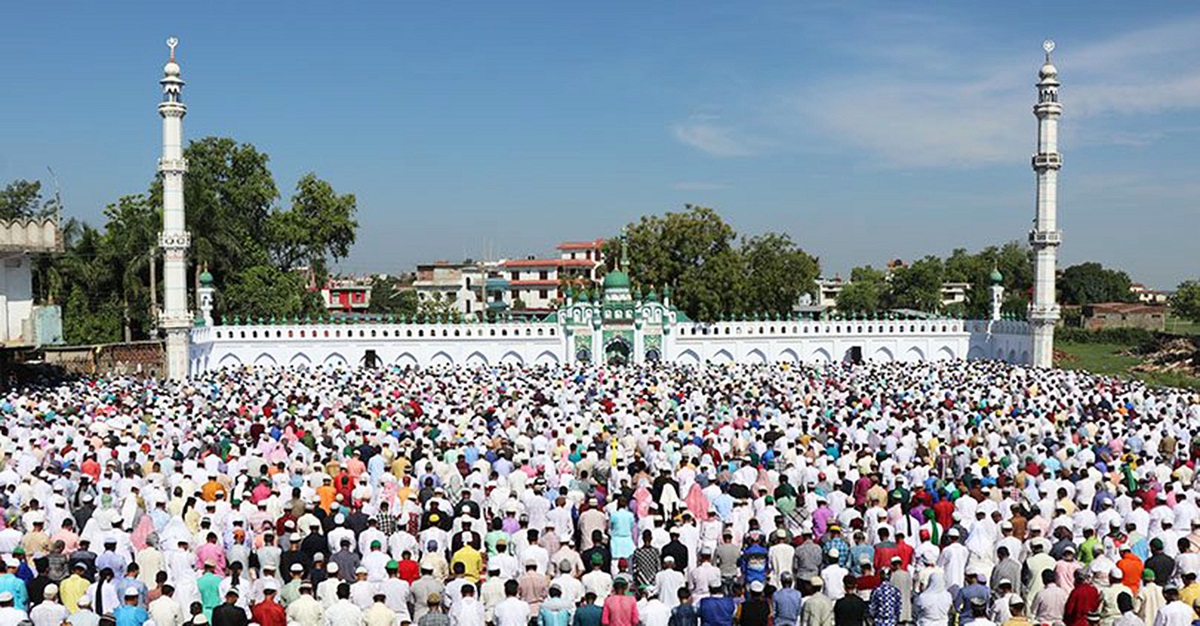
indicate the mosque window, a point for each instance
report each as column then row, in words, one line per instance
column 409, row 333
column 254, row 335
column 289, row 334
column 372, row 333
column 504, row 332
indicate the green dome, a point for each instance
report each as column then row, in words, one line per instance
column 616, row 280
column 996, row 277
column 206, row 279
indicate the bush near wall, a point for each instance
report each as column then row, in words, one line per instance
column 1122, row 336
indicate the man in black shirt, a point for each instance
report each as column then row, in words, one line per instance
column 851, row 609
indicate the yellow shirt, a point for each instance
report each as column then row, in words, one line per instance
column 71, row 589
column 471, row 559
column 1189, row 594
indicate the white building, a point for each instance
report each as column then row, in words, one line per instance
column 828, row 290
column 536, row 285
column 462, row 285
column 21, row 322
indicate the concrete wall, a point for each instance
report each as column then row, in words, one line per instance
column 547, row 343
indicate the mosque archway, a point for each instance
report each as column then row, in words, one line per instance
column 722, row 357
column 914, row 355
column 789, row 356
column 300, row 360
column 883, row 355
column 476, row 360
column 511, row 358
column 265, row 360
column 406, row 360
column 546, row 358
column 335, row 360
column 440, row 359
column 975, row 353
column 687, row 357
column 945, row 354
column 756, row 357
column 617, row 351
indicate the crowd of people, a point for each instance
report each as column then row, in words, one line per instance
column 935, row 494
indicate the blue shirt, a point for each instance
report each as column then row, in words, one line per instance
column 15, row 586
column 786, row 607
column 130, row 615
column 717, row 611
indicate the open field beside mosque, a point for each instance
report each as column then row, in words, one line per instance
column 1117, row 359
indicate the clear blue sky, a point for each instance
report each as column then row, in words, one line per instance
column 867, row 131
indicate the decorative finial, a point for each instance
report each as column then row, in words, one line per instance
column 171, row 43
column 1048, row 46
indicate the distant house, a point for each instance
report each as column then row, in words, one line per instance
column 1124, row 315
column 1149, row 296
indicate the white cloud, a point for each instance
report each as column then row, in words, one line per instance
column 933, row 105
column 702, row 133
column 698, row 186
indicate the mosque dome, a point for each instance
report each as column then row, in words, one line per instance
column 616, row 280
column 1048, row 71
column 171, row 68
column 996, row 277
column 206, row 278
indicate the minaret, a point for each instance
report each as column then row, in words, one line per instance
column 174, row 239
column 1045, row 236
column 997, row 291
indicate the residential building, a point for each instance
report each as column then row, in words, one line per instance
column 347, row 294
column 1149, row 296
column 1124, row 315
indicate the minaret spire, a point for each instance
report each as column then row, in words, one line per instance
column 174, row 239
column 1045, row 236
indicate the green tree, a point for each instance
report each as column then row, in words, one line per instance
column 320, row 224
column 129, row 246
column 229, row 193
column 917, row 286
column 1090, row 283
column 1185, row 302
column 23, row 198
column 692, row 251
column 439, row 307
column 865, row 293
column 87, row 320
column 266, row 292
column 388, row 297
column 778, row 272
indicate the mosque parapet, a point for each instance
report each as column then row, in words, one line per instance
column 580, row 332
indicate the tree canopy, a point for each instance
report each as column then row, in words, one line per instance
column 251, row 245
column 23, row 198
column 919, row 285
column 1185, row 302
column 1091, row 283
column 711, row 274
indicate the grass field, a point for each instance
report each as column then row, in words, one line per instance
column 1177, row 326
column 1109, row 359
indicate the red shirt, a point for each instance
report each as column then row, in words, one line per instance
column 409, row 570
column 1083, row 600
column 269, row 613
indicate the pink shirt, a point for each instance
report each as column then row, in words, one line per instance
column 619, row 611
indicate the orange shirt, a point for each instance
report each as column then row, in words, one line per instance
column 209, row 491
column 327, row 494
column 1131, row 567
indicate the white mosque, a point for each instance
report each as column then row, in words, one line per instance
column 618, row 326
